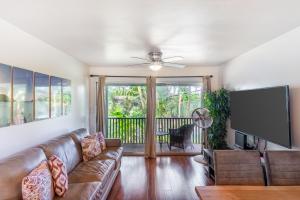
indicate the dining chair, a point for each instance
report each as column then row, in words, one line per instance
column 236, row 167
column 282, row 167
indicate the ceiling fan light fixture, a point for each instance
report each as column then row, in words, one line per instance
column 155, row 67
column 155, row 61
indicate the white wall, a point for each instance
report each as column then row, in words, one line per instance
column 272, row 64
column 20, row 49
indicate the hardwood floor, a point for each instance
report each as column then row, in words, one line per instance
column 173, row 177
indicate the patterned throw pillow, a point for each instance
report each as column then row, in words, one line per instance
column 101, row 140
column 38, row 184
column 59, row 175
column 90, row 147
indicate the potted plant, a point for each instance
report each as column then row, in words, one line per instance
column 217, row 102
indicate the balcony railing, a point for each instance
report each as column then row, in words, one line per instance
column 132, row 130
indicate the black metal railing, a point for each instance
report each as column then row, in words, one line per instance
column 132, row 130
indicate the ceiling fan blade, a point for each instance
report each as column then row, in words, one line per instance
column 176, row 65
column 141, row 58
column 172, row 59
column 138, row 64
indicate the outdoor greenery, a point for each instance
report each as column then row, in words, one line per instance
column 172, row 101
column 127, row 101
column 177, row 101
column 217, row 103
column 130, row 102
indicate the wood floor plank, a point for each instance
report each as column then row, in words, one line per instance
column 163, row 178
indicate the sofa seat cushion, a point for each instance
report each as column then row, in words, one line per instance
column 82, row 191
column 92, row 171
column 114, row 153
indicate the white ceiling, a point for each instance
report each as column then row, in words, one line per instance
column 109, row 32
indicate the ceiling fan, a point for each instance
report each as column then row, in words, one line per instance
column 156, row 61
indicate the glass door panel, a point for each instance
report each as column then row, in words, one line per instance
column 126, row 103
column 176, row 98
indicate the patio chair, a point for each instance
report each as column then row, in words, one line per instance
column 181, row 137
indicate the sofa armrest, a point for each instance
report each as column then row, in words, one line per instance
column 113, row 142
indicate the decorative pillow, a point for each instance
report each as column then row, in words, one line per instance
column 38, row 184
column 101, row 140
column 90, row 147
column 59, row 175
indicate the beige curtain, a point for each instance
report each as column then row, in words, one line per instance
column 206, row 88
column 206, row 83
column 150, row 122
column 100, row 115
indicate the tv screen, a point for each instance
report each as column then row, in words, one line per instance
column 263, row 113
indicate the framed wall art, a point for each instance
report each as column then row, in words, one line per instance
column 5, row 95
column 66, row 89
column 41, row 96
column 22, row 96
column 56, row 96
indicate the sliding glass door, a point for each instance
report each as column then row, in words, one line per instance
column 126, row 111
column 176, row 98
column 126, row 105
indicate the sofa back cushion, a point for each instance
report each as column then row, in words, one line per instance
column 65, row 148
column 79, row 134
column 14, row 168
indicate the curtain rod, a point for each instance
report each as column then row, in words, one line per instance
column 92, row 75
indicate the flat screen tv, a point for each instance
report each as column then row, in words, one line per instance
column 263, row 113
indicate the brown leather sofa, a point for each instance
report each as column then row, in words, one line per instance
column 87, row 180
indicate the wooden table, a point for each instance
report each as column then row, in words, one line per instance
column 248, row 192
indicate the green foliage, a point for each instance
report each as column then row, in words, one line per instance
column 131, row 102
column 217, row 103
column 127, row 101
column 177, row 101
column 4, row 98
column 172, row 101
